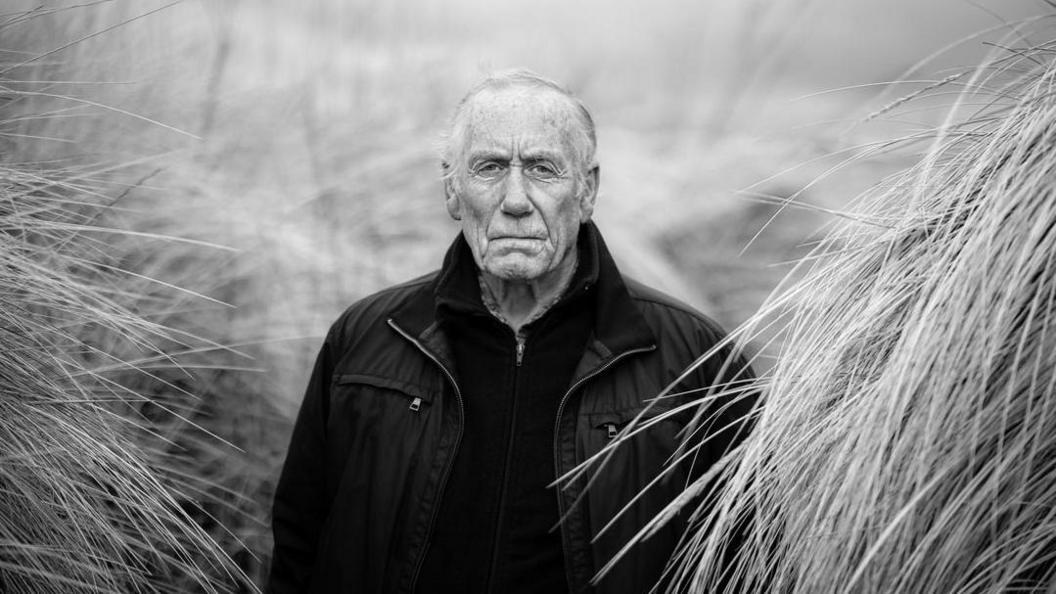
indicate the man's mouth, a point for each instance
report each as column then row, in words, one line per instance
column 516, row 244
column 516, row 238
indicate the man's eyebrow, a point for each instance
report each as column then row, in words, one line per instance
column 488, row 153
column 543, row 154
column 500, row 154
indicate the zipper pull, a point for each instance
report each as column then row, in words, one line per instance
column 520, row 351
column 415, row 404
column 611, row 429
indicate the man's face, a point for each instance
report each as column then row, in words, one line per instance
column 517, row 192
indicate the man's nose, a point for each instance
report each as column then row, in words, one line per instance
column 515, row 201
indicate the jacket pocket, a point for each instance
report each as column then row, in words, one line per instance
column 612, row 423
column 416, row 395
column 378, row 429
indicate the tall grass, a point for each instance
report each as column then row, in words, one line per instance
column 98, row 410
column 908, row 438
column 299, row 138
column 199, row 360
column 82, row 508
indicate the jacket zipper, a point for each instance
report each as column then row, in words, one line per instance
column 450, row 464
column 506, row 462
column 557, row 426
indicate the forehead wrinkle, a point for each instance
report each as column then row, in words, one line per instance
column 493, row 126
column 528, row 146
column 532, row 153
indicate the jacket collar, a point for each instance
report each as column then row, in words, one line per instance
column 618, row 325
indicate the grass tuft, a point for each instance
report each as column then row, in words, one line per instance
column 908, row 438
column 84, row 508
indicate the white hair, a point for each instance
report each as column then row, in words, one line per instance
column 584, row 139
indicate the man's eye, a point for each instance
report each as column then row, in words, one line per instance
column 488, row 169
column 543, row 171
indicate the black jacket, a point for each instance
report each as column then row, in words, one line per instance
column 381, row 422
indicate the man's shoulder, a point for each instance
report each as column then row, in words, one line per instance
column 683, row 335
column 664, row 312
column 396, row 295
column 646, row 296
column 376, row 308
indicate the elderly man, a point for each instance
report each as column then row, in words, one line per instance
column 440, row 411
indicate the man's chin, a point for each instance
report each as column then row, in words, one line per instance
column 514, row 269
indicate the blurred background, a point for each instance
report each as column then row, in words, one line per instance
column 271, row 162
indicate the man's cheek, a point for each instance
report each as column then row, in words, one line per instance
column 473, row 226
column 477, row 217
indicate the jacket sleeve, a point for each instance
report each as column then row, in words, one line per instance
column 731, row 418
column 300, row 504
column 730, row 379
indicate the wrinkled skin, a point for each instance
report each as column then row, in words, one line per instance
column 518, row 194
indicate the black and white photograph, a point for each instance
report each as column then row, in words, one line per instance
column 621, row 297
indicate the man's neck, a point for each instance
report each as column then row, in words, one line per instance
column 518, row 303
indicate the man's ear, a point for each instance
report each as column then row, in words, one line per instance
column 590, row 193
column 451, row 201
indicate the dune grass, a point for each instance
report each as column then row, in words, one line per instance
column 908, row 438
column 186, row 355
column 300, row 140
column 99, row 410
column 84, row 507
